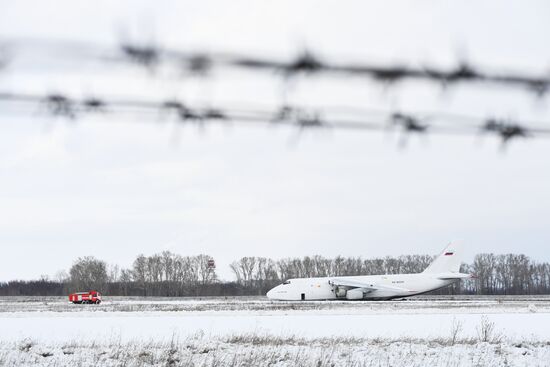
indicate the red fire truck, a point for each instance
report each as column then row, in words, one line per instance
column 85, row 297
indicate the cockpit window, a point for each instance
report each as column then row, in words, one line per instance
column 286, row 282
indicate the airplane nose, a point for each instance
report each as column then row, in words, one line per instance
column 271, row 293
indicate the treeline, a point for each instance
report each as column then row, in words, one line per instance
column 509, row 274
column 259, row 274
column 169, row 274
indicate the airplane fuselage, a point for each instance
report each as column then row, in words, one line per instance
column 396, row 286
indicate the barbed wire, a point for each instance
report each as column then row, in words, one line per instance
column 150, row 56
column 65, row 106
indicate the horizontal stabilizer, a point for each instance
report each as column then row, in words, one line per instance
column 449, row 276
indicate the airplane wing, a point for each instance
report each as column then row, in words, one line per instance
column 367, row 286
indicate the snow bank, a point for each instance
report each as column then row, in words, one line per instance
column 266, row 350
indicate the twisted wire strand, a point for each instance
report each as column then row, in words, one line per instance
column 150, row 56
column 65, row 106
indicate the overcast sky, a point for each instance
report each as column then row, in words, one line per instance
column 117, row 187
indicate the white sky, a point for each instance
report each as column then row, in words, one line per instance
column 114, row 188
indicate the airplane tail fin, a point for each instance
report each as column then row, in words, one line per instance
column 448, row 261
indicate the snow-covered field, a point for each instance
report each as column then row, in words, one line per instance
column 457, row 331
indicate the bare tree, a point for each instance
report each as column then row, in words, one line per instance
column 88, row 273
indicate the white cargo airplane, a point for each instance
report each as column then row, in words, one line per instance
column 443, row 271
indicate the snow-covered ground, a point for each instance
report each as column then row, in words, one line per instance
column 484, row 329
column 418, row 304
column 262, row 350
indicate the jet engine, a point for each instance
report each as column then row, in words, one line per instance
column 340, row 292
column 356, row 293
